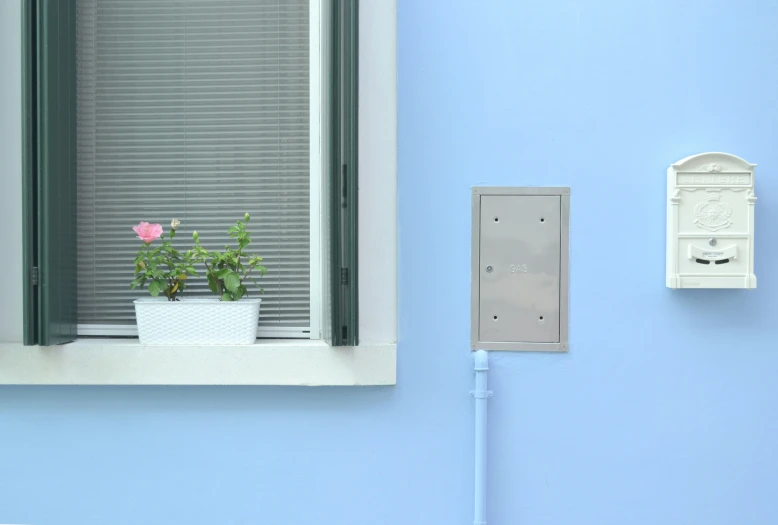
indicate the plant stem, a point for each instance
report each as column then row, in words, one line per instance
column 218, row 281
column 247, row 273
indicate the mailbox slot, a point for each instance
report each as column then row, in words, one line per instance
column 519, row 269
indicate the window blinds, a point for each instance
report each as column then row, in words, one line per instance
column 196, row 110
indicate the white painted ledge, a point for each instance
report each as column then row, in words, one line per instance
column 122, row 362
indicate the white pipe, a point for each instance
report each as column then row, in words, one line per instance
column 481, row 394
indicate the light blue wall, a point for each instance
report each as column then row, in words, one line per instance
column 662, row 412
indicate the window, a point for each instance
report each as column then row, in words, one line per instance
column 199, row 110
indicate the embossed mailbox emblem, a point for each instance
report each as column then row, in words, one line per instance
column 710, row 222
column 712, row 214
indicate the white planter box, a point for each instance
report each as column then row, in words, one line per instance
column 197, row 321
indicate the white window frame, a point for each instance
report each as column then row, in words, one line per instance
column 316, row 173
column 291, row 362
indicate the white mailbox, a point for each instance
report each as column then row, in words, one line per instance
column 710, row 222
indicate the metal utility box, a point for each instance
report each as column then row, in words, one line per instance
column 710, row 222
column 520, row 268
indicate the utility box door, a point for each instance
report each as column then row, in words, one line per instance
column 520, row 298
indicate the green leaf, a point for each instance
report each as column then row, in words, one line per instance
column 232, row 282
column 190, row 270
column 221, row 274
column 133, row 285
column 212, row 284
column 241, row 292
column 226, row 297
column 155, row 288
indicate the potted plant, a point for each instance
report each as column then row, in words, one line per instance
column 231, row 318
column 226, row 273
column 164, row 268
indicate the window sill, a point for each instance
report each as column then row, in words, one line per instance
column 123, row 362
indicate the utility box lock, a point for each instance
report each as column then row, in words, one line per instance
column 520, row 268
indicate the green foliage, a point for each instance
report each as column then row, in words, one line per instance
column 163, row 268
column 228, row 270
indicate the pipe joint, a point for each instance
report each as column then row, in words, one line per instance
column 481, row 359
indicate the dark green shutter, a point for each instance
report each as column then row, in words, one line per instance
column 344, row 186
column 29, row 167
column 49, row 171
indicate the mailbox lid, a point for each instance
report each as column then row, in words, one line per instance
column 729, row 257
column 520, row 269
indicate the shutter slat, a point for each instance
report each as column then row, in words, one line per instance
column 199, row 111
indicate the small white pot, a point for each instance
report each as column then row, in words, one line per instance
column 196, row 321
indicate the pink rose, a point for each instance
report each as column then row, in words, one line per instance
column 148, row 232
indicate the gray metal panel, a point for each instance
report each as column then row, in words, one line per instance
column 523, row 235
column 520, row 259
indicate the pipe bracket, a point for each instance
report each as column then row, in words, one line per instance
column 481, row 394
